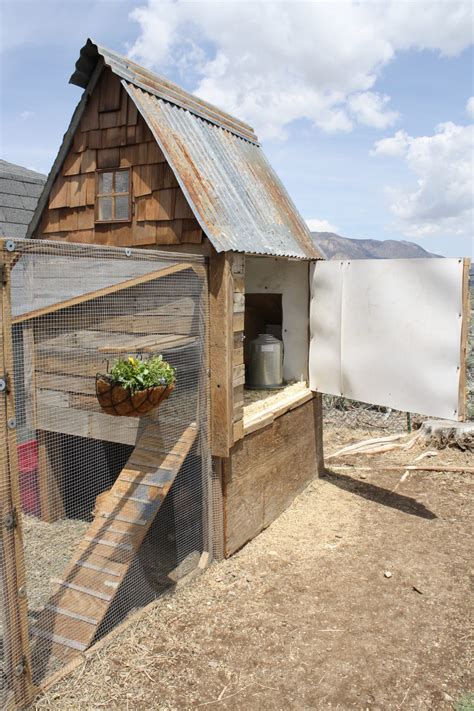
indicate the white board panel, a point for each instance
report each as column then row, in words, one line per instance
column 388, row 332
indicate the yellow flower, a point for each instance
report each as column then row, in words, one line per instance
column 132, row 360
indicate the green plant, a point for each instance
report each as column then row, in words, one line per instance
column 134, row 374
column 465, row 702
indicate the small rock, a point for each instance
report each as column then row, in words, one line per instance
column 338, row 535
column 447, row 697
column 204, row 560
column 387, row 574
column 107, row 678
column 362, row 476
column 213, row 664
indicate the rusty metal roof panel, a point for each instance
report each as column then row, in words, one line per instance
column 156, row 85
column 233, row 191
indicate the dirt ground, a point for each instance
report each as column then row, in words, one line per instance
column 48, row 549
column 357, row 597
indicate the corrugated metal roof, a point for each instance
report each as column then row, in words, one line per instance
column 233, row 191
column 156, row 85
column 20, row 189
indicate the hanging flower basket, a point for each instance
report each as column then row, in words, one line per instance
column 135, row 387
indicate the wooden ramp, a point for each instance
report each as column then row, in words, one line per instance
column 70, row 619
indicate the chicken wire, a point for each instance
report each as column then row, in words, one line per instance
column 113, row 511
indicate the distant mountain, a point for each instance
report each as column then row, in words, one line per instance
column 334, row 246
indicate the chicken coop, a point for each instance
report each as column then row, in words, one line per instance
column 163, row 230
column 145, row 165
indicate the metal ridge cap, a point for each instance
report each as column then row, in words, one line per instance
column 141, row 76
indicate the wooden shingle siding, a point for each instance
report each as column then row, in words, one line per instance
column 112, row 134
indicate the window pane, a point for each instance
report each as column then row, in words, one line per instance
column 121, row 181
column 105, row 208
column 105, row 182
column 121, row 207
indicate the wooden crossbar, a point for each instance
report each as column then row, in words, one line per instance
column 106, row 291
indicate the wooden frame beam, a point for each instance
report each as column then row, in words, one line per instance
column 221, row 345
column 12, row 576
column 466, row 318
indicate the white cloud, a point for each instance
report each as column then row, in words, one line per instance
column 272, row 62
column 369, row 109
column 441, row 202
column 317, row 225
column 470, row 107
column 395, row 146
column 25, row 115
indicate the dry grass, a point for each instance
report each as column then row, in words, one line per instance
column 303, row 617
column 48, row 549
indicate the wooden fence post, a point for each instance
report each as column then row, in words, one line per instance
column 12, row 572
column 466, row 318
column 221, row 342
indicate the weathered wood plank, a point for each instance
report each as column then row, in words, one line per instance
column 182, row 208
column 466, row 318
column 109, row 89
column 221, row 347
column 50, row 475
column 266, row 417
column 80, row 585
column 56, row 415
column 59, row 195
column 238, row 375
column 113, row 289
column 267, row 469
column 12, row 566
column 108, row 157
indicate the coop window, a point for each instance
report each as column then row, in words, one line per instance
column 113, row 203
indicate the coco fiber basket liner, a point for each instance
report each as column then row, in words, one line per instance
column 117, row 400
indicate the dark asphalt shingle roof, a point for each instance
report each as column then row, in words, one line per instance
column 20, row 189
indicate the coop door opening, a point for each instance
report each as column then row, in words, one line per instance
column 276, row 304
column 263, row 315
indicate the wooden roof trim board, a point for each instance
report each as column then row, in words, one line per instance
column 106, row 291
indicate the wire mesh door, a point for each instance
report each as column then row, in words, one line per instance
column 113, row 509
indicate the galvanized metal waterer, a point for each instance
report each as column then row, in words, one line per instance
column 265, row 362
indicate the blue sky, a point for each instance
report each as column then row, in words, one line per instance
column 362, row 107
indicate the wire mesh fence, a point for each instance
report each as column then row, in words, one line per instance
column 110, row 511
column 341, row 412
